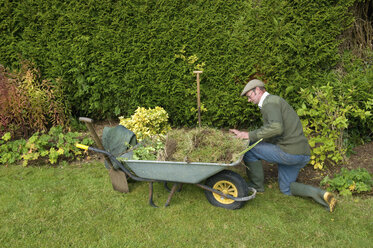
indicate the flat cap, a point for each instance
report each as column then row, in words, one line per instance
column 252, row 84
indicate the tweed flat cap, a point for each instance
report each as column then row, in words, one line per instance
column 251, row 85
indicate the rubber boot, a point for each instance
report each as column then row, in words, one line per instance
column 320, row 196
column 255, row 173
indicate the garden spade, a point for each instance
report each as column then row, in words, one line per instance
column 198, row 97
column 118, row 177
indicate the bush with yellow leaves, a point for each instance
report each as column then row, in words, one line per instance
column 147, row 122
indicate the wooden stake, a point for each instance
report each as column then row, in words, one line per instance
column 198, row 97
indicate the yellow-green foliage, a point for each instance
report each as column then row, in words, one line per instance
column 191, row 60
column 349, row 182
column 326, row 116
column 147, row 122
column 51, row 147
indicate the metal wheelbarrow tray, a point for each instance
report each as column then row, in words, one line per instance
column 181, row 172
column 223, row 187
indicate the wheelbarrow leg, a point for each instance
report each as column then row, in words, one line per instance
column 169, row 190
column 173, row 190
column 151, row 195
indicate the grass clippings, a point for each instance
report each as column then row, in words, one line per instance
column 202, row 145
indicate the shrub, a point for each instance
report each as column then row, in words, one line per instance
column 147, row 122
column 348, row 182
column 51, row 146
column 356, row 77
column 29, row 104
column 326, row 114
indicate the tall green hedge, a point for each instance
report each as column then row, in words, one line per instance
column 114, row 56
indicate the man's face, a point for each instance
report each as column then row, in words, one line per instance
column 253, row 96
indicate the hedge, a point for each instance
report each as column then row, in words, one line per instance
column 113, row 56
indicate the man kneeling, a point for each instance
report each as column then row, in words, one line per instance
column 284, row 144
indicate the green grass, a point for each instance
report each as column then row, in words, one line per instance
column 75, row 206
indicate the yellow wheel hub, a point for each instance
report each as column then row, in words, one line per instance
column 227, row 188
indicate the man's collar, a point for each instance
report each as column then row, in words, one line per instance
column 265, row 94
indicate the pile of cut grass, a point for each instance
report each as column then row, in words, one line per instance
column 201, row 145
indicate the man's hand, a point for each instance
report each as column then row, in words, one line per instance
column 239, row 134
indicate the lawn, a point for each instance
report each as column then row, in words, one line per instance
column 75, row 206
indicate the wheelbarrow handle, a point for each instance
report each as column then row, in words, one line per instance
column 89, row 124
column 86, row 119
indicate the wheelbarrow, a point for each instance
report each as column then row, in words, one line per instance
column 222, row 186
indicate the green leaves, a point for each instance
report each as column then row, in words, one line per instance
column 150, row 149
column 115, row 56
column 348, row 182
column 327, row 113
column 51, row 146
column 6, row 136
column 11, row 151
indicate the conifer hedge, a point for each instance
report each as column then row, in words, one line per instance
column 114, row 56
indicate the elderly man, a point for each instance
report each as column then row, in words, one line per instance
column 283, row 143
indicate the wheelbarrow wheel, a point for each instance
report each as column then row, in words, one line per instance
column 229, row 183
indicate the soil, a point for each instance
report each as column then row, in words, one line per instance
column 362, row 157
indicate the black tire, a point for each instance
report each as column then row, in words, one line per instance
column 228, row 182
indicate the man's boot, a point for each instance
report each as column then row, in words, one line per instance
column 321, row 196
column 254, row 171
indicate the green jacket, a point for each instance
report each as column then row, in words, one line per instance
column 281, row 126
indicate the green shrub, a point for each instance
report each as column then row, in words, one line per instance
column 52, row 147
column 116, row 55
column 348, row 182
column 326, row 112
column 356, row 77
